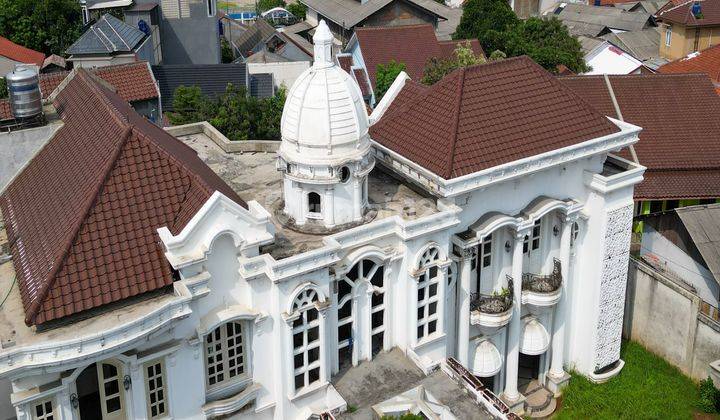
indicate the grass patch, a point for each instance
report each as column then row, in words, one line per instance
column 648, row 387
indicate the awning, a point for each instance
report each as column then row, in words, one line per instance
column 535, row 338
column 487, row 360
column 110, row 4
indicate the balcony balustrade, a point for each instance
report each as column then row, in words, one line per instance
column 492, row 310
column 543, row 290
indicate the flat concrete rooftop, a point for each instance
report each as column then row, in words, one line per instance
column 253, row 177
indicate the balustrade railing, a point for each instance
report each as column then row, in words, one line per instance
column 543, row 283
column 495, row 303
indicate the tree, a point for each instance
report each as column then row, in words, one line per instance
column 299, row 10
column 547, row 42
column 484, row 20
column 264, row 5
column 190, row 105
column 226, row 51
column 385, row 75
column 49, row 26
column 3, row 88
column 436, row 68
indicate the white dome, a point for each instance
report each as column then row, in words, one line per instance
column 324, row 119
column 487, row 361
column 535, row 338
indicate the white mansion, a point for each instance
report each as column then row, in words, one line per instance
column 483, row 218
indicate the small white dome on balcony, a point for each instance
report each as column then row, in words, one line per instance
column 324, row 120
column 487, row 361
column 535, row 338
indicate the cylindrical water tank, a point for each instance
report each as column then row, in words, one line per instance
column 24, row 91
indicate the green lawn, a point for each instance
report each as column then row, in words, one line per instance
column 647, row 388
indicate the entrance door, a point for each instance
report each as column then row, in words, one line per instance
column 528, row 368
column 110, row 377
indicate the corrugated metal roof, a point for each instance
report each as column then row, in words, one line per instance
column 703, row 225
column 212, row 79
column 108, row 35
column 349, row 13
column 591, row 17
column 643, row 45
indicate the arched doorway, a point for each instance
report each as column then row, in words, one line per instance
column 100, row 391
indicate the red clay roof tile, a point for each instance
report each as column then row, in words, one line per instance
column 487, row 115
column 19, row 53
column 679, row 141
column 682, row 13
column 707, row 61
column 78, row 212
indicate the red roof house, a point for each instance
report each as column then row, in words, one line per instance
column 82, row 217
column 14, row 53
column 706, row 61
column 412, row 45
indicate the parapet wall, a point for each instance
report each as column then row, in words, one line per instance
column 229, row 146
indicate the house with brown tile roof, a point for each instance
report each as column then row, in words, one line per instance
column 679, row 142
column 12, row 54
column 706, row 61
column 688, row 27
column 117, row 188
column 134, row 82
column 412, row 45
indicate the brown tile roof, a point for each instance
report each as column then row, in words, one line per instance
column 133, row 82
column 682, row 13
column 679, row 141
column 487, row 115
column 82, row 217
column 412, row 45
column 707, row 61
column 19, row 53
column 361, row 81
column 345, row 61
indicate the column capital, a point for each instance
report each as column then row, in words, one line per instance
column 520, row 234
column 569, row 218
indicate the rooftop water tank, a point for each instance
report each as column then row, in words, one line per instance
column 24, row 91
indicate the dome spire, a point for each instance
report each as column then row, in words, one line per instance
column 323, row 40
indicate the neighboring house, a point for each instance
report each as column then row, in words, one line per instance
column 12, row 54
column 706, row 61
column 412, row 45
column 343, row 16
column 688, row 27
column 212, row 79
column 647, row 6
column 679, row 141
column 644, row 45
column 251, row 284
column 53, row 63
column 111, row 41
column 134, row 82
column 250, row 39
column 595, row 21
column 686, row 242
column 283, row 71
column 289, row 45
column 604, row 57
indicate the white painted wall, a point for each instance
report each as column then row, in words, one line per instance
column 284, row 74
column 609, row 59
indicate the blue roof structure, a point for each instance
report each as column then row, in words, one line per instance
column 109, row 35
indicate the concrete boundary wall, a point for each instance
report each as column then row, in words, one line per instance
column 229, row 146
column 665, row 316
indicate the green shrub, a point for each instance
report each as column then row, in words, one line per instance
column 709, row 397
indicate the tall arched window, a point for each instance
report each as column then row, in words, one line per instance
column 225, row 354
column 314, row 203
column 427, row 293
column 306, row 340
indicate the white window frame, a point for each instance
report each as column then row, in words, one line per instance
column 152, row 387
column 222, row 338
column 486, row 251
column 43, row 404
column 303, row 304
column 313, row 214
column 668, row 35
column 85, row 14
column 532, row 241
column 211, row 7
column 430, row 276
column 574, row 231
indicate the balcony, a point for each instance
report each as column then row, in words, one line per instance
column 542, row 290
column 492, row 310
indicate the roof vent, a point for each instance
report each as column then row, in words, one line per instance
column 697, row 10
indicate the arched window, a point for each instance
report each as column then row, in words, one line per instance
column 344, row 174
column 306, row 340
column 427, row 293
column 314, row 203
column 225, row 354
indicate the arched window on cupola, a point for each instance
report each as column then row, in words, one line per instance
column 306, row 340
column 314, row 205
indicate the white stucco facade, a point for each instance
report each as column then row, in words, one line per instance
column 247, row 334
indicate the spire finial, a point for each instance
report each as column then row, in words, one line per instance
column 323, row 40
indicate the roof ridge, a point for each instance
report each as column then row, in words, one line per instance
column 456, row 122
column 387, row 28
column 59, row 260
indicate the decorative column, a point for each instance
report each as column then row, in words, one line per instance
column 511, row 393
column 366, row 323
column 329, row 206
column 557, row 373
column 464, row 299
column 357, row 197
column 322, row 308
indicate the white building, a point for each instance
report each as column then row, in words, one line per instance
column 494, row 231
